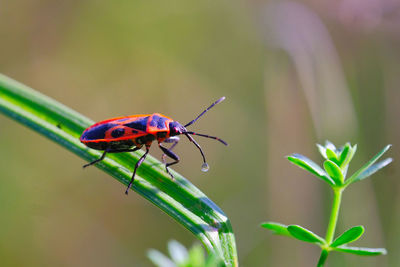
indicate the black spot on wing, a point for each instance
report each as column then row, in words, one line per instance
column 139, row 124
column 117, row 132
column 97, row 132
column 158, row 122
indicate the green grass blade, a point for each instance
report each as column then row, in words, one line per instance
column 180, row 199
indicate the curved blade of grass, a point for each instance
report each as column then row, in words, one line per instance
column 179, row 198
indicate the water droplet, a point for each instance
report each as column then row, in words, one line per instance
column 205, row 167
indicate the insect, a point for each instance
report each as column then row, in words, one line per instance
column 131, row 133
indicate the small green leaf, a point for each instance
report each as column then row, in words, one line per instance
column 334, row 171
column 331, row 155
column 343, row 155
column 322, row 150
column 277, row 228
column 345, row 163
column 349, row 236
column 329, row 145
column 362, row 251
column 304, row 234
column 311, row 166
column 359, row 175
column 338, row 151
column 374, row 168
column 353, row 150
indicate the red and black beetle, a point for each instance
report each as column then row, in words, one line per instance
column 130, row 133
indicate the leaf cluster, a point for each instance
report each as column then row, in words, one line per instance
column 333, row 172
column 339, row 244
column 337, row 162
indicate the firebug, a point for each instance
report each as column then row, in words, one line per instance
column 131, row 133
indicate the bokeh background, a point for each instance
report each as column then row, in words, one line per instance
column 294, row 74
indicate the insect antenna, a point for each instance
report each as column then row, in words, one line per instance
column 205, row 166
column 201, row 114
column 209, row 136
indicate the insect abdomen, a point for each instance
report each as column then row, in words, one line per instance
column 112, row 145
column 145, row 139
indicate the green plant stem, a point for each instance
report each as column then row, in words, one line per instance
column 330, row 233
column 322, row 258
column 337, row 197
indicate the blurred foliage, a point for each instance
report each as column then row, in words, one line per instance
column 334, row 173
column 182, row 257
column 108, row 59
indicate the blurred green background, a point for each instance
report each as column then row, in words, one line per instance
column 294, row 74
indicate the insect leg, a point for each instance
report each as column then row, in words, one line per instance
column 97, row 160
column 170, row 154
column 110, row 151
column 174, row 140
column 140, row 161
